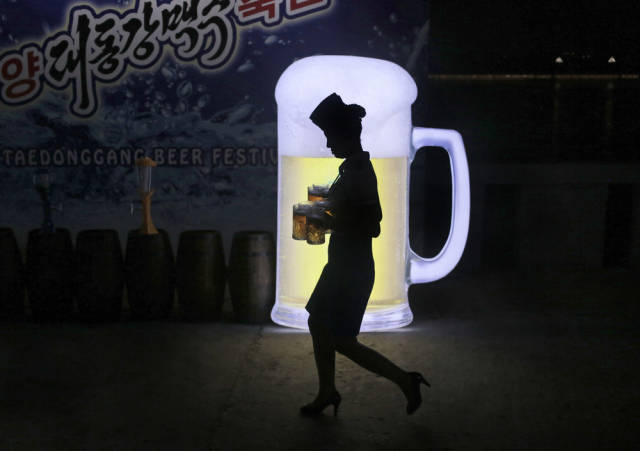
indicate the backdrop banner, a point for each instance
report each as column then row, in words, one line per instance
column 89, row 87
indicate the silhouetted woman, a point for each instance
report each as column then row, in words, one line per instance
column 338, row 302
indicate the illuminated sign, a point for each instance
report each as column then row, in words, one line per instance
column 101, row 46
column 391, row 139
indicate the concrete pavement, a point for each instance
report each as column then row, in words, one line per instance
column 511, row 365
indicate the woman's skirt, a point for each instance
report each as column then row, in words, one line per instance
column 342, row 292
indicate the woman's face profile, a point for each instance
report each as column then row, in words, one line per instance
column 338, row 146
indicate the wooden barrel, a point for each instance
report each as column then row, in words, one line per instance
column 200, row 271
column 252, row 275
column 149, row 275
column 11, row 277
column 50, row 274
column 99, row 275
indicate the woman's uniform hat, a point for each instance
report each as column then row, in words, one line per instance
column 332, row 112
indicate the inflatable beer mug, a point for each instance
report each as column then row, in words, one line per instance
column 386, row 91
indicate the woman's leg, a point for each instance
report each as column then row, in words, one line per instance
column 373, row 361
column 325, row 356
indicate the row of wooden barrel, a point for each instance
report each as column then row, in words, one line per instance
column 88, row 281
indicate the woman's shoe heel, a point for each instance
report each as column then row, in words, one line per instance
column 416, row 397
column 423, row 380
column 336, row 404
column 316, row 408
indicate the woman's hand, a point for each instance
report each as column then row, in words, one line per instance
column 328, row 219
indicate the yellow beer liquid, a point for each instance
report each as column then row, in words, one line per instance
column 300, row 264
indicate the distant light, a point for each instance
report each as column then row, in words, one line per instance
column 612, row 60
column 559, row 60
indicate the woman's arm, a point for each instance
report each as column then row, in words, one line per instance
column 355, row 207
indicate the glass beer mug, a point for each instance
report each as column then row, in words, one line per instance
column 386, row 91
column 318, row 192
column 300, row 213
column 315, row 226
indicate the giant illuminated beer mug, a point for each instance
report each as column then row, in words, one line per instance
column 386, row 91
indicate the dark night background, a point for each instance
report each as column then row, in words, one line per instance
column 556, row 130
column 526, row 36
column 531, row 343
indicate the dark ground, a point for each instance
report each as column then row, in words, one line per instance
column 515, row 362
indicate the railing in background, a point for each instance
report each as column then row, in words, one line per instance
column 540, row 117
column 554, row 165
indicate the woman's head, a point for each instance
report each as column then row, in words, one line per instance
column 341, row 124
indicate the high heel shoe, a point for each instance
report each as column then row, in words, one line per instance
column 415, row 397
column 316, row 407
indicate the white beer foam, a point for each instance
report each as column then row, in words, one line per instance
column 383, row 88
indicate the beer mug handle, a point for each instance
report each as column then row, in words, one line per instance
column 420, row 269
